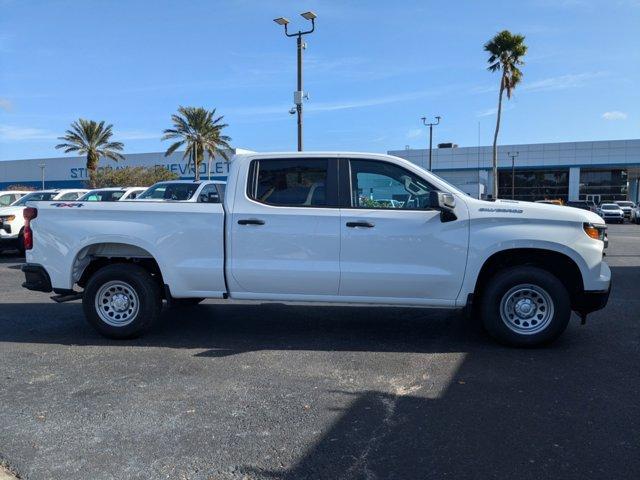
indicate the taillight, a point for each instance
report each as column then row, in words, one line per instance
column 29, row 214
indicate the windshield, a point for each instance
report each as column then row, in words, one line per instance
column 171, row 191
column 452, row 188
column 34, row 197
column 625, row 204
column 102, row 196
column 610, row 206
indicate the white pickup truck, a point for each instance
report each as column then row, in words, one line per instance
column 308, row 227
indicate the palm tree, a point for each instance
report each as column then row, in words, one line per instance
column 201, row 131
column 505, row 55
column 92, row 139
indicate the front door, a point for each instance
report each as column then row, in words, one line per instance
column 393, row 245
column 285, row 230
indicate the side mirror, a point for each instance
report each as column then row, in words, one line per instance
column 211, row 197
column 445, row 202
column 441, row 200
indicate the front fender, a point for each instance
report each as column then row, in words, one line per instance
column 566, row 238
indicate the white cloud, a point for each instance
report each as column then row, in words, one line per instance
column 5, row 104
column 414, row 133
column 488, row 112
column 12, row 133
column 492, row 111
column 313, row 107
column 561, row 82
column 614, row 115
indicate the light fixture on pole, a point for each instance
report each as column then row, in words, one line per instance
column 513, row 156
column 299, row 96
column 430, row 125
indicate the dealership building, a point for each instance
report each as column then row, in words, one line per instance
column 598, row 171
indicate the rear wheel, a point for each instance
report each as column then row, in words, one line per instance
column 525, row 306
column 122, row 301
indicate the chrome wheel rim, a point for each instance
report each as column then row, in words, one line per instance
column 526, row 309
column 117, row 303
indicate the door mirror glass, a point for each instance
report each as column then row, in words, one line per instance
column 442, row 200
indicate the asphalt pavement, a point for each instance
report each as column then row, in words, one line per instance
column 247, row 391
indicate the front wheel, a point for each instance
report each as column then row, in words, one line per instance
column 122, row 301
column 20, row 243
column 525, row 306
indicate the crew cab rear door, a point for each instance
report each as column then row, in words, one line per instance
column 285, row 229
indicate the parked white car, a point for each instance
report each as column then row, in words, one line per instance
column 292, row 227
column 611, row 212
column 627, row 208
column 7, row 197
column 182, row 191
column 112, row 194
column 12, row 220
column 635, row 214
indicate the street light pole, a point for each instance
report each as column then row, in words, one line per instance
column 430, row 125
column 299, row 95
column 42, row 167
column 513, row 156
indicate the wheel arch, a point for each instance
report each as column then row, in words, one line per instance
column 94, row 256
column 557, row 263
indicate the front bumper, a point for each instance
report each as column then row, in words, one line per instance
column 591, row 300
column 36, row 278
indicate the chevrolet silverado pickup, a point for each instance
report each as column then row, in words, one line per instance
column 320, row 227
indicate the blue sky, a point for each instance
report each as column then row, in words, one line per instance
column 372, row 69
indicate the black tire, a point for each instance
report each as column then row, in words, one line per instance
column 541, row 291
column 139, row 318
column 184, row 302
column 20, row 243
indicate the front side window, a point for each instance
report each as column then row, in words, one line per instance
column 102, row 196
column 70, row 196
column 209, row 194
column 171, row 191
column 290, row 183
column 6, row 199
column 376, row 184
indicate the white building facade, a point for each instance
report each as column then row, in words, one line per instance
column 598, row 171
column 71, row 172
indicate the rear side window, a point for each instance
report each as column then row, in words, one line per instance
column 290, row 183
